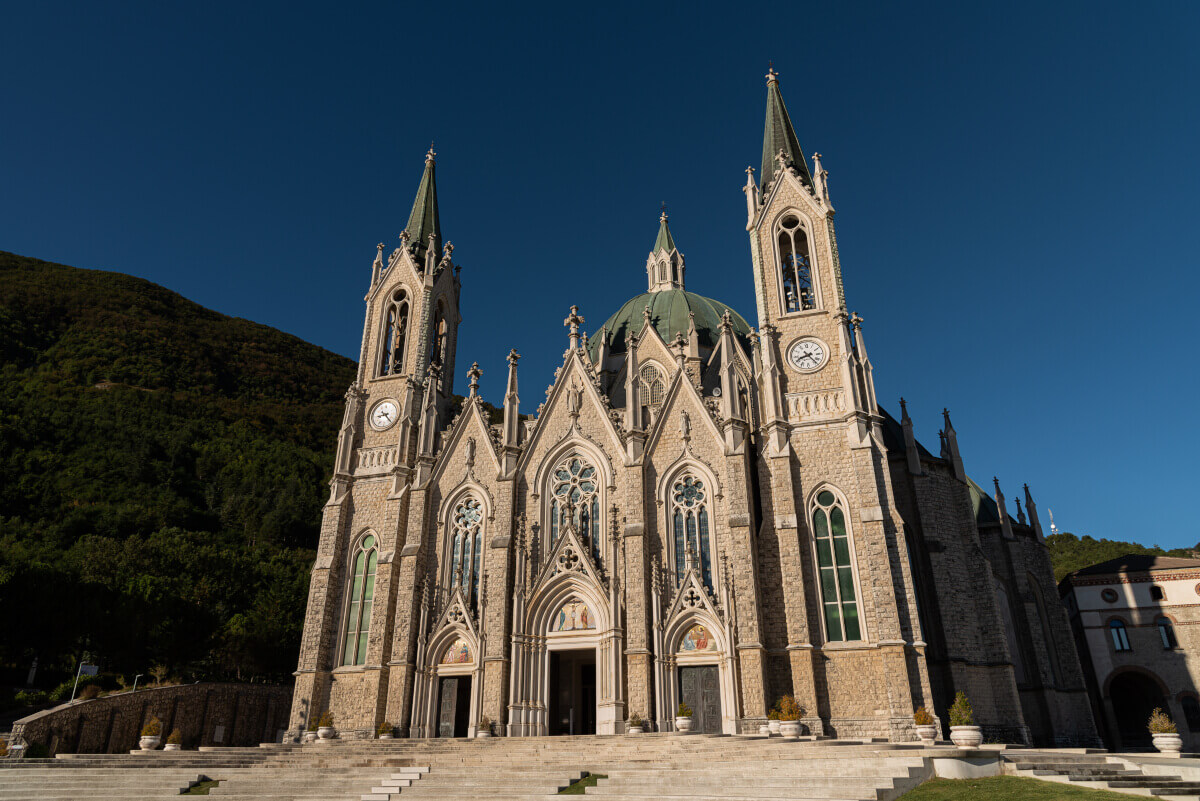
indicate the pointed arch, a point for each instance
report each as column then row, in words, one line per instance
column 836, row 564
column 795, row 260
column 393, row 336
column 465, row 516
column 557, row 480
column 688, row 493
column 360, row 598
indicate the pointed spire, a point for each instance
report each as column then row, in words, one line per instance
column 1002, row 510
column 473, row 377
column 910, row 441
column 423, row 221
column 778, row 135
column 664, row 241
column 1031, row 509
column 512, row 416
column 951, row 448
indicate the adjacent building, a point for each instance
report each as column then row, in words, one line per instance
column 1133, row 621
column 698, row 511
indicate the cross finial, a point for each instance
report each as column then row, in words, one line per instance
column 429, row 156
column 856, row 321
column 772, row 75
column 513, row 356
column 663, row 217
column 573, row 321
column 473, row 376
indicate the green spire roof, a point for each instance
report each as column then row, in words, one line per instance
column 778, row 134
column 664, row 241
column 423, row 220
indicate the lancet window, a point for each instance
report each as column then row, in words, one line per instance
column 654, row 388
column 690, row 531
column 466, row 548
column 395, row 335
column 575, row 491
column 836, row 568
column 795, row 266
column 360, row 599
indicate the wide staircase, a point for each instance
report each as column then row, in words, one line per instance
column 1103, row 773
column 651, row 767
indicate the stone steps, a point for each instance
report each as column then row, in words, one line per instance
column 1103, row 773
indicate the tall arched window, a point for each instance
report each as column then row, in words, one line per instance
column 360, row 599
column 466, row 548
column 395, row 334
column 690, row 528
column 1120, row 636
column 654, row 388
column 575, row 487
column 795, row 266
column 836, row 568
column 1166, row 633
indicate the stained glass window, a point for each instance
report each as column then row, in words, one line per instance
column 835, row 568
column 361, row 597
column 690, row 529
column 575, row 485
column 467, row 548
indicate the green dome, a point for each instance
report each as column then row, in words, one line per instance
column 669, row 311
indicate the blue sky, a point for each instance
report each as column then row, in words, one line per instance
column 1015, row 186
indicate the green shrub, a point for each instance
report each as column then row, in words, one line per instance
column 773, row 713
column 636, row 720
column 685, row 711
column 153, row 728
column 176, row 737
column 922, row 717
column 1159, row 723
column 961, row 713
column 30, row 697
column 326, row 720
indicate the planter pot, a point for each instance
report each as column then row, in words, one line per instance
column 683, row 725
column 173, row 747
column 927, row 734
column 966, row 736
column 1168, row 743
column 774, row 726
column 308, row 737
column 790, row 729
column 635, row 730
column 149, row 743
column 385, row 736
column 482, row 733
column 764, row 730
column 326, row 733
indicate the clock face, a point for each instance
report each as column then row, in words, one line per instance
column 384, row 414
column 808, row 355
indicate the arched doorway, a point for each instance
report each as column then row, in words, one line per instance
column 1134, row 695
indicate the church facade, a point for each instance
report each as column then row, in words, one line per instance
column 700, row 512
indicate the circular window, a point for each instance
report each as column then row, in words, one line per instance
column 790, row 222
column 825, row 498
column 1109, row 595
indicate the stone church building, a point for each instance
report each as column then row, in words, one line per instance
column 699, row 512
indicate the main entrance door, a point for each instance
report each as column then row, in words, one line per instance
column 454, row 706
column 700, row 688
column 573, row 692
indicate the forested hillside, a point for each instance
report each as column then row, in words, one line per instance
column 162, row 472
column 1069, row 553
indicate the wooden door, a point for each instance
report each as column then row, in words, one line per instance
column 447, row 706
column 700, row 688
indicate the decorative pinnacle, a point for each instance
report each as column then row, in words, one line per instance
column 573, row 321
column 663, row 217
column 513, row 356
column 782, row 158
column 856, row 321
column 473, row 376
column 646, row 313
column 431, row 154
column 772, row 75
column 750, row 171
column 379, row 247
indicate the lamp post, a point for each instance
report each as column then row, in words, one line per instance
column 135, row 681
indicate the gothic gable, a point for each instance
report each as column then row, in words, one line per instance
column 469, row 445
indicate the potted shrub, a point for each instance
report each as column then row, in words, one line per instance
column 1163, row 732
column 174, row 741
column 790, row 713
column 310, row 734
column 926, row 728
column 773, row 719
column 636, row 724
column 484, row 729
column 385, row 731
column 963, row 731
column 151, row 735
column 683, row 719
column 325, row 730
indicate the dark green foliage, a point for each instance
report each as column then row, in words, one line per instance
column 1069, row 553
column 162, row 472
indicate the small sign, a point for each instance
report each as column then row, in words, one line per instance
column 88, row 670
